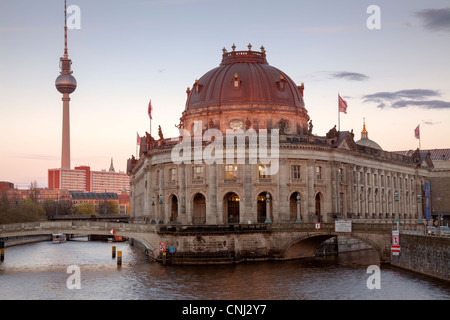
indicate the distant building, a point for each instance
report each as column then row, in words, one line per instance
column 82, row 178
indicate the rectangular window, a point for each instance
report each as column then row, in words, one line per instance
column 197, row 173
column 318, row 173
column 340, row 174
column 173, row 174
column 264, row 171
column 230, row 172
column 295, row 172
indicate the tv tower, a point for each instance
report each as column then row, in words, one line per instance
column 66, row 84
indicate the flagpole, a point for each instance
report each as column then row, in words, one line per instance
column 339, row 116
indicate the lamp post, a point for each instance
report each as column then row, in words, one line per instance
column 161, row 221
column 299, row 219
column 268, row 208
column 153, row 209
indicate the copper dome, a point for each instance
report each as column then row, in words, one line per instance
column 258, row 83
column 245, row 92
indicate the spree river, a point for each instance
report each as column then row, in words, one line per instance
column 41, row 271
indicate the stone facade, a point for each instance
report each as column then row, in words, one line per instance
column 332, row 180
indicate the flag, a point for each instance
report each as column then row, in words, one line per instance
column 342, row 105
column 150, row 109
column 138, row 139
column 417, row 132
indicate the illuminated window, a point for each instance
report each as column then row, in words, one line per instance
column 236, row 81
column 230, row 172
column 264, row 171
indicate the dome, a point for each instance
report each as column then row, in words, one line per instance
column 244, row 77
column 245, row 92
column 369, row 143
column 66, row 83
column 365, row 141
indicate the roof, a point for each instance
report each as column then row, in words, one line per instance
column 435, row 154
column 94, row 195
column 244, row 78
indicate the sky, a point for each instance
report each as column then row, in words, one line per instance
column 392, row 67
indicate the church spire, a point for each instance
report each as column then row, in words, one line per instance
column 111, row 167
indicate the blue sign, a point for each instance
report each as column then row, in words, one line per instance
column 427, row 201
column 172, row 249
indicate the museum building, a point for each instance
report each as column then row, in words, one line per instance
column 317, row 178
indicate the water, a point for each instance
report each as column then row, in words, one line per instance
column 39, row 271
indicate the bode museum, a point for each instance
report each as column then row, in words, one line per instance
column 246, row 155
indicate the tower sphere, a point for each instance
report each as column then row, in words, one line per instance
column 66, row 83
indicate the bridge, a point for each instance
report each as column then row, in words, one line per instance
column 197, row 244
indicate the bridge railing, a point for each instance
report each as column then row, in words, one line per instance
column 75, row 225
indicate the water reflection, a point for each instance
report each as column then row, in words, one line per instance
column 38, row 271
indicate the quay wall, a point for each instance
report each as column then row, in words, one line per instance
column 429, row 255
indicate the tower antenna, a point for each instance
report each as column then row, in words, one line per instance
column 65, row 29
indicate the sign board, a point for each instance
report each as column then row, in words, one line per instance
column 162, row 246
column 395, row 247
column 172, row 249
column 343, row 225
column 112, row 231
column 395, row 240
column 317, row 225
column 427, row 201
column 395, row 250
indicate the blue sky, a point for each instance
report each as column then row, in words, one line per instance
column 128, row 52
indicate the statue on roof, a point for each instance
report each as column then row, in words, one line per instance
column 160, row 134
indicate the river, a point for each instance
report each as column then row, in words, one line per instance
column 41, row 271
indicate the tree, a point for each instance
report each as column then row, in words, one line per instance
column 84, row 208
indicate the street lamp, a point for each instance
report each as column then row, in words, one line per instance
column 161, row 221
column 268, row 208
column 299, row 219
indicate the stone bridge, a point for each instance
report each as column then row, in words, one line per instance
column 218, row 244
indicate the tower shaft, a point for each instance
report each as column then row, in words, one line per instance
column 65, row 150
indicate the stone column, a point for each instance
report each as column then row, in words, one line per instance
column 248, row 200
column 281, row 212
column 212, row 214
column 310, row 196
column 161, row 197
column 182, row 193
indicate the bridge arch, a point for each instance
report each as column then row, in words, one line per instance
column 305, row 245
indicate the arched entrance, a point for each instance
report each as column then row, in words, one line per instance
column 231, row 203
column 318, row 208
column 173, row 208
column 199, row 209
column 262, row 207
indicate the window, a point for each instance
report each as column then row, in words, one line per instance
column 173, row 174
column 264, row 171
column 295, row 172
column 318, row 173
column 230, row 172
column 340, row 174
column 197, row 173
column 236, row 81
